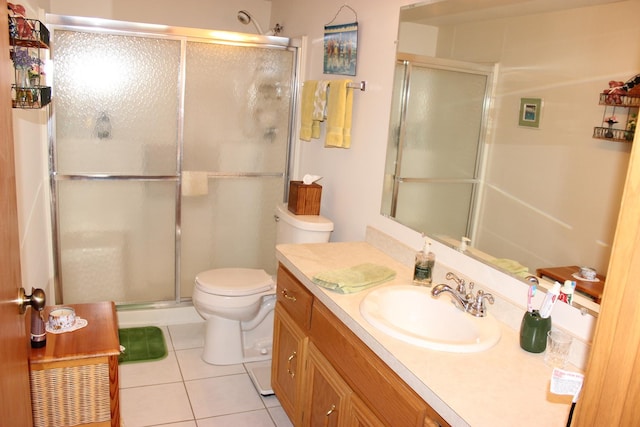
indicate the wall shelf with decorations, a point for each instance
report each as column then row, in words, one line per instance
column 620, row 110
column 28, row 38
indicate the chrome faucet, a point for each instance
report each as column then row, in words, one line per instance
column 459, row 300
column 474, row 305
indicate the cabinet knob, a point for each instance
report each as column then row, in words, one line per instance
column 287, row 296
column 330, row 411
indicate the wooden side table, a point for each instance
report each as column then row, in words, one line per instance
column 592, row 289
column 74, row 378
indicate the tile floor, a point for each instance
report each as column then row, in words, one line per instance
column 183, row 391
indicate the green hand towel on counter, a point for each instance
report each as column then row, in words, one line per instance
column 354, row 279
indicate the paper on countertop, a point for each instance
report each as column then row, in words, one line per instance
column 566, row 382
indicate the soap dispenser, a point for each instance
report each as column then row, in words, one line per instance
column 464, row 243
column 425, row 260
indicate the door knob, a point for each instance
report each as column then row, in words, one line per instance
column 36, row 299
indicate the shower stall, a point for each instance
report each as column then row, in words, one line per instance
column 170, row 148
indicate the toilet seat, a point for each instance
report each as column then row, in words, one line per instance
column 234, row 281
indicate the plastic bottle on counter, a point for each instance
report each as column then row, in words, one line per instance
column 566, row 292
column 425, row 260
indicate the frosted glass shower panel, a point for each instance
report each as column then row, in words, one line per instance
column 117, row 240
column 237, row 108
column 117, row 103
column 444, row 119
column 232, row 226
column 448, row 205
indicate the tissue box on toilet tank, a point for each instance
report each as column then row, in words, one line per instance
column 304, row 199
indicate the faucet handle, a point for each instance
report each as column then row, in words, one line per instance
column 478, row 307
column 461, row 288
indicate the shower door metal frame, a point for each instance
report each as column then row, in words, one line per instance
column 408, row 62
column 184, row 35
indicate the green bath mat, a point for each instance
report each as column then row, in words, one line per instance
column 142, row 344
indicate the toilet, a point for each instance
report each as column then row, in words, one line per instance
column 237, row 303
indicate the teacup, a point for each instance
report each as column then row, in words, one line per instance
column 588, row 273
column 62, row 318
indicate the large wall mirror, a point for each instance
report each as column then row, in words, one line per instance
column 532, row 190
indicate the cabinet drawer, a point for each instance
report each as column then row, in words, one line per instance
column 294, row 297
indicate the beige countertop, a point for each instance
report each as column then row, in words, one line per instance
column 502, row 386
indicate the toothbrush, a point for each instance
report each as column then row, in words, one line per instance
column 530, row 294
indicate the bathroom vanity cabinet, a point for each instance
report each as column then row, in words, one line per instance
column 323, row 374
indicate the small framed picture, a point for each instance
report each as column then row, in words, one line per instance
column 341, row 49
column 530, row 111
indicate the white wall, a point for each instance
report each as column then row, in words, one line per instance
column 352, row 183
column 32, row 191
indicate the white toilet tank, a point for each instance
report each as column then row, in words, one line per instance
column 291, row 228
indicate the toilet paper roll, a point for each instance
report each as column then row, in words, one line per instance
column 195, row 183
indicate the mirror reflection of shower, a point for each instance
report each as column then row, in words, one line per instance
column 246, row 18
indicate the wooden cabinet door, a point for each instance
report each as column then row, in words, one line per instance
column 327, row 396
column 289, row 355
column 361, row 416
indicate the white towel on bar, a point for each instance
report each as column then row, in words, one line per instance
column 195, row 183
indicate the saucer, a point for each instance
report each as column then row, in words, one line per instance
column 79, row 324
column 584, row 279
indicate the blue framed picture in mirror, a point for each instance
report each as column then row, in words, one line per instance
column 530, row 111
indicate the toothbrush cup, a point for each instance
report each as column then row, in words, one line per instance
column 533, row 332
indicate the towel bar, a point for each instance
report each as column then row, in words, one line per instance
column 362, row 85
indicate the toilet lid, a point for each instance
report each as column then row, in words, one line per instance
column 234, row 281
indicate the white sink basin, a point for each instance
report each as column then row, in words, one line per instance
column 409, row 313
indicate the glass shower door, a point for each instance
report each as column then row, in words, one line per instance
column 115, row 168
column 237, row 113
column 171, row 152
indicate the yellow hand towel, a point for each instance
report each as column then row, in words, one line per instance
column 319, row 107
column 306, row 109
column 354, row 279
column 339, row 108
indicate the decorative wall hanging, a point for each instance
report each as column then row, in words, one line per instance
column 341, row 46
column 530, row 111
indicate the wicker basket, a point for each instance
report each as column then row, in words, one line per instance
column 71, row 396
